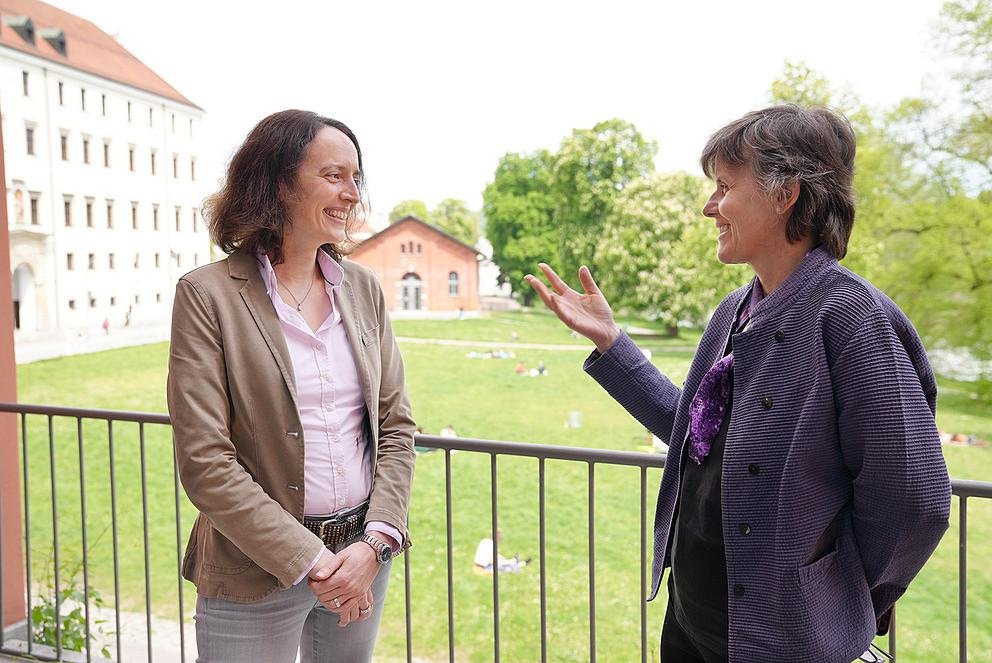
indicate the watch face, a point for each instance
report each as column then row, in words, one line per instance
column 385, row 554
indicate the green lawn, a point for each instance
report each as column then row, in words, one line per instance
column 485, row 399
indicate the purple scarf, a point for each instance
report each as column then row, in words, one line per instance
column 709, row 405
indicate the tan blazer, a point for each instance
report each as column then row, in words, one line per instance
column 237, row 431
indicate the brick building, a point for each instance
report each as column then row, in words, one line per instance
column 421, row 268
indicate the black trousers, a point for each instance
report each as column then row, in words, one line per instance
column 678, row 647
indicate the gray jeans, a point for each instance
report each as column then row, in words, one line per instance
column 271, row 630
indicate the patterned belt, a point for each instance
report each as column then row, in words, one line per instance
column 339, row 527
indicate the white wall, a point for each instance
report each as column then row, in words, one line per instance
column 147, row 289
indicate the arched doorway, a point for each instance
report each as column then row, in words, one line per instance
column 25, row 309
column 410, row 289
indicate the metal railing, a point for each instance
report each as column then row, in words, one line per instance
column 591, row 458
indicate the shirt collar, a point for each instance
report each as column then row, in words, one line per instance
column 329, row 267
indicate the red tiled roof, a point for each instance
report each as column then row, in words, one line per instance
column 88, row 48
column 406, row 220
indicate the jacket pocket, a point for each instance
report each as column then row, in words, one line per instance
column 370, row 336
column 222, row 556
column 809, row 573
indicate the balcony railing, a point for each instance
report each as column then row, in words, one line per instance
column 126, row 444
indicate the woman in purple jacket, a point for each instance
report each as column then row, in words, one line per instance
column 805, row 485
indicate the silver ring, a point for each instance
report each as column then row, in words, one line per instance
column 337, row 603
column 365, row 611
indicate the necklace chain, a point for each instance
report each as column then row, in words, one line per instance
column 299, row 302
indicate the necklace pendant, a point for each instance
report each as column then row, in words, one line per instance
column 299, row 307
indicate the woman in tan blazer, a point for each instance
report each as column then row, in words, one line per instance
column 292, row 428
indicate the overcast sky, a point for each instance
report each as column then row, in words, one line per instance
column 438, row 91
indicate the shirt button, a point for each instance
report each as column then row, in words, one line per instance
column 738, row 590
column 753, row 468
column 745, row 529
column 766, row 402
column 779, row 336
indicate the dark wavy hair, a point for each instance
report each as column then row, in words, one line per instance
column 788, row 144
column 247, row 214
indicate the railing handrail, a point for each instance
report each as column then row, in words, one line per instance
column 85, row 413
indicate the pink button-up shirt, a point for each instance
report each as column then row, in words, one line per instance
column 337, row 456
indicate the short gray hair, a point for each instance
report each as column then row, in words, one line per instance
column 786, row 144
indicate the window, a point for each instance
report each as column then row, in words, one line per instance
column 192, row 169
column 175, row 165
column 103, row 105
column 67, row 209
column 196, row 259
column 453, row 284
column 110, row 213
column 134, row 215
column 158, row 260
column 153, row 162
column 24, row 82
column 29, row 139
column 190, row 127
column 402, row 248
column 151, row 117
column 91, row 261
column 82, row 98
column 196, row 220
column 137, row 260
column 86, row 150
column 137, row 299
column 155, row 219
column 89, row 212
column 34, row 209
column 179, row 260
column 64, row 144
column 178, row 222
column 130, row 158
column 92, row 301
column 61, row 93
column 68, row 261
column 420, row 249
column 72, row 304
column 158, row 297
column 173, row 123
column 113, row 301
column 129, row 111
column 411, row 247
column 110, row 260
column 106, row 153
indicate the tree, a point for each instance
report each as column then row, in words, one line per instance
column 455, row 218
column 406, row 208
column 589, row 171
column 657, row 254
column 518, row 207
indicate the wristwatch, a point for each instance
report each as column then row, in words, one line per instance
column 383, row 551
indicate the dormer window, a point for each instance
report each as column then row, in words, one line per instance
column 55, row 38
column 22, row 25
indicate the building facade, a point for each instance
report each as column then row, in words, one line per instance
column 422, row 270
column 103, row 193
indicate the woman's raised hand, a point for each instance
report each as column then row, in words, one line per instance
column 587, row 313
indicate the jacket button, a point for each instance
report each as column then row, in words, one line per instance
column 753, row 468
column 766, row 402
column 738, row 590
column 779, row 336
column 745, row 529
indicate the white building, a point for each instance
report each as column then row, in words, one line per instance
column 103, row 192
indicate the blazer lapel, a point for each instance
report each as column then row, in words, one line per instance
column 260, row 306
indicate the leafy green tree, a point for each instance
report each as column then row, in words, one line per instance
column 657, row 254
column 455, row 218
column 405, row 208
column 589, row 171
column 518, row 207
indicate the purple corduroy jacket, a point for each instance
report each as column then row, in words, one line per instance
column 834, row 487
